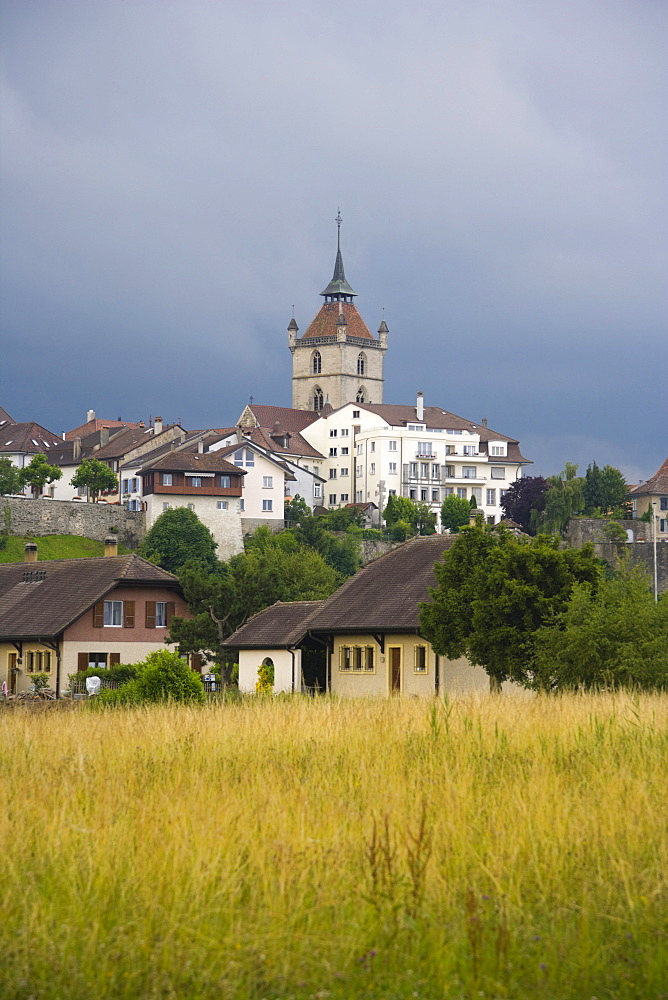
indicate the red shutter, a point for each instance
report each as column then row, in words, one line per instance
column 129, row 614
column 150, row 614
column 82, row 661
column 114, row 659
column 171, row 610
column 98, row 617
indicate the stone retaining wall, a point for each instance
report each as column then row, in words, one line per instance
column 68, row 517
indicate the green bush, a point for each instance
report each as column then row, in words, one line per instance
column 166, row 677
column 120, row 672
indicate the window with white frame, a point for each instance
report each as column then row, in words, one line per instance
column 392, row 493
column 412, row 494
column 434, row 496
column 317, row 490
column 424, row 448
column 161, row 614
column 267, row 482
column 332, row 473
column 191, row 506
column 436, row 471
column 344, row 498
column 476, row 493
column 357, row 658
column 372, row 469
column 242, row 504
column 345, row 432
column 392, row 445
column 372, row 446
column 498, row 450
column 113, row 613
column 356, row 414
column 332, row 499
column 392, row 468
column 344, row 451
column 358, row 471
column 358, row 496
column 468, row 472
column 166, row 478
column 416, row 427
column 461, row 492
column 38, row 661
column 333, row 433
column 225, row 482
column 333, row 452
column 222, row 505
column 424, row 470
column 490, row 498
column 343, row 471
column 412, row 470
column 469, row 449
column 423, row 495
column 165, row 506
column 360, row 449
column 267, row 505
column 450, row 471
column 498, row 472
column 195, row 481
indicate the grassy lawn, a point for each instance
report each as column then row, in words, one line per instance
column 295, row 848
column 54, row 547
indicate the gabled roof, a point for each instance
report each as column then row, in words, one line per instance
column 325, row 322
column 291, row 420
column 28, row 438
column 39, row 600
column 298, row 444
column 187, row 461
column 382, row 597
column 281, row 625
column 91, row 426
column 5, row 418
column 658, row 483
column 259, row 450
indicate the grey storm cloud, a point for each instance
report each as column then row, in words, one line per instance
column 170, row 175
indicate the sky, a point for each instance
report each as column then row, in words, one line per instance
column 170, row 173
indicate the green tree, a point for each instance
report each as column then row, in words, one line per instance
column 39, row 473
column 162, row 676
column 296, row 509
column 563, row 500
column 614, row 489
column 399, row 509
column 342, row 554
column 522, row 498
column 455, row 513
column 177, row 536
column 273, row 568
column 11, row 477
column 425, row 519
column 494, row 591
column 96, row 477
column 342, row 518
column 615, row 635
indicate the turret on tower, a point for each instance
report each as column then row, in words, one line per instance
column 337, row 358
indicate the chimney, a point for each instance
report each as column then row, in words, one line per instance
column 76, row 449
column 104, row 437
column 111, row 545
column 90, row 415
column 157, row 425
column 419, row 409
column 200, row 447
column 484, row 421
column 30, row 553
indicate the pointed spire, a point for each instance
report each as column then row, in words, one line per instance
column 338, row 290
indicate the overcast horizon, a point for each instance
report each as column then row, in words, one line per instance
column 170, row 175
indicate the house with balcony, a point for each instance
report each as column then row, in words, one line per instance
column 421, row 452
column 207, row 484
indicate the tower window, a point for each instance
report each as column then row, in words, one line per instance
column 361, row 364
column 317, row 399
column 359, row 398
column 317, row 363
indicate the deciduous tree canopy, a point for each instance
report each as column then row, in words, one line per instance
column 177, row 536
column 95, row 476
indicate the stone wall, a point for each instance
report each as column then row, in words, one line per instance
column 590, row 529
column 67, row 517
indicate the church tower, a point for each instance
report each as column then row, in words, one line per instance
column 336, row 360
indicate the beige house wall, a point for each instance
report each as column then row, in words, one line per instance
column 251, row 659
column 224, row 525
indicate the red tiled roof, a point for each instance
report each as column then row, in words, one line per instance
column 324, row 324
column 96, row 425
column 29, row 438
column 290, row 420
column 186, row 461
column 658, row 483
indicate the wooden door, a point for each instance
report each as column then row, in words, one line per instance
column 11, row 672
column 395, row 669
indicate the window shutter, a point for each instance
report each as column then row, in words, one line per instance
column 171, row 611
column 150, row 614
column 196, row 661
column 129, row 614
column 82, row 661
column 114, row 659
column 98, row 620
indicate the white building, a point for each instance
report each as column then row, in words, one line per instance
column 421, row 452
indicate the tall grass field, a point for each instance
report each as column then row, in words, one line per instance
column 315, row 848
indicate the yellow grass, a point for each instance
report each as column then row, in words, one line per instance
column 314, row 848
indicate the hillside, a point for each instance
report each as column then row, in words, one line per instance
column 54, row 547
